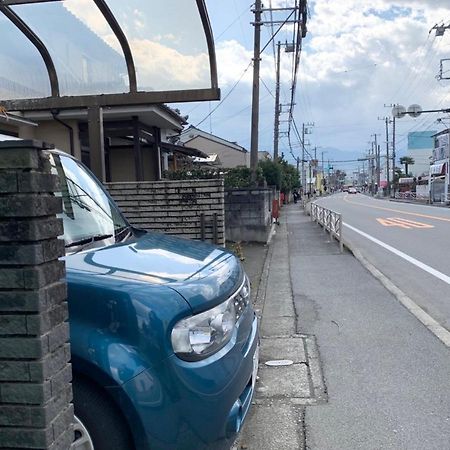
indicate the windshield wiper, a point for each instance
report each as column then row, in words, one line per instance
column 121, row 230
column 88, row 240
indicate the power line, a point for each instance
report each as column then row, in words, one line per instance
column 226, row 96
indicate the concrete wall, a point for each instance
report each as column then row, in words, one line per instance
column 228, row 156
column 248, row 214
column 35, row 374
column 54, row 132
column 173, row 207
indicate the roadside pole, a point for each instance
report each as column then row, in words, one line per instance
column 255, row 93
column 277, row 106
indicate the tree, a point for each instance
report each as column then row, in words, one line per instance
column 407, row 161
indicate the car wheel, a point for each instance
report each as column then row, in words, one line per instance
column 98, row 423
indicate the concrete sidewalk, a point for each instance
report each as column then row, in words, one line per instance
column 277, row 418
column 386, row 377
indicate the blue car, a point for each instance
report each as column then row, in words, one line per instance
column 164, row 339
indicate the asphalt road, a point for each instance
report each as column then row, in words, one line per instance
column 408, row 243
column 386, row 376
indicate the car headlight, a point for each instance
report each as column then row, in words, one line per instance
column 200, row 336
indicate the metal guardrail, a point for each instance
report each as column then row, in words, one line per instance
column 330, row 220
column 410, row 196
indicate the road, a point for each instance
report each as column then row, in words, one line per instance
column 408, row 243
column 386, row 375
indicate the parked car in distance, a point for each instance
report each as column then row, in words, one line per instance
column 164, row 338
column 352, row 190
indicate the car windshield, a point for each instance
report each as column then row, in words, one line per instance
column 88, row 213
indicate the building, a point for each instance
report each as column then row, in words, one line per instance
column 229, row 153
column 420, row 148
column 264, row 156
column 137, row 140
column 439, row 170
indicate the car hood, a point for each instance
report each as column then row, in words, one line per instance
column 151, row 258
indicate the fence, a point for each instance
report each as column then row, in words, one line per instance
column 411, row 196
column 330, row 220
column 192, row 209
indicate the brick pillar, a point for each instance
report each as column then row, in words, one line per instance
column 35, row 373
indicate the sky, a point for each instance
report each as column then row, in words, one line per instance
column 358, row 57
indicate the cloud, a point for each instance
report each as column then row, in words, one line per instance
column 160, row 67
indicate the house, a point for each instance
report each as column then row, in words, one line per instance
column 137, row 140
column 229, row 153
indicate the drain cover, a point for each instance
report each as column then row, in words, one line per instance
column 279, row 362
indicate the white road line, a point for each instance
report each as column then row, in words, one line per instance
column 416, row 262
column 435, row 327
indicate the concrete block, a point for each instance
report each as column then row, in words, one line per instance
column 8, row 182
column 30, row 205
column 23, row 347
column 34, row 229
column 11, row 158
column 12, row 325
column 26, row 438
column 25, row 393
column 24, row 301
column 38, row 182
column 14, row 371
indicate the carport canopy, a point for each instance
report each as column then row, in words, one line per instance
column 67, row 54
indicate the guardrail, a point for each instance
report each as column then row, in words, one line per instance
column 411, row 196
column 330, row 220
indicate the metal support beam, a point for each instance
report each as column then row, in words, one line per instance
column 34, row 39
column 96, row 142
column 130, row 99
column 112, row 22
column 201, row 5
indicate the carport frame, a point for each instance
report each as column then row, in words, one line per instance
column 133, row 97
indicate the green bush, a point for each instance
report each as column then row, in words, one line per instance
column 193, row 174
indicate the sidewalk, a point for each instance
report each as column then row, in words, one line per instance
column 276, row 420
column 381, row 379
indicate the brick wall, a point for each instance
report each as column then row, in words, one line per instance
column 35, row 374
column 248, row 214
column 174, row 207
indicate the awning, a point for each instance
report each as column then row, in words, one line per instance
column 189, row 151
column 437, row 169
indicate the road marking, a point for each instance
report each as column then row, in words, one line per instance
column 416, row 262
column 425, row 216
column 435, row 327
column 402, row 223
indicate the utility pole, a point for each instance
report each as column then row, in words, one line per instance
column 392, row 105
column 377, row 162
column 277, row 107
column 303, row 158
column 255, row 93
column 305, row 130
column 393, row 153
column 388, row 178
